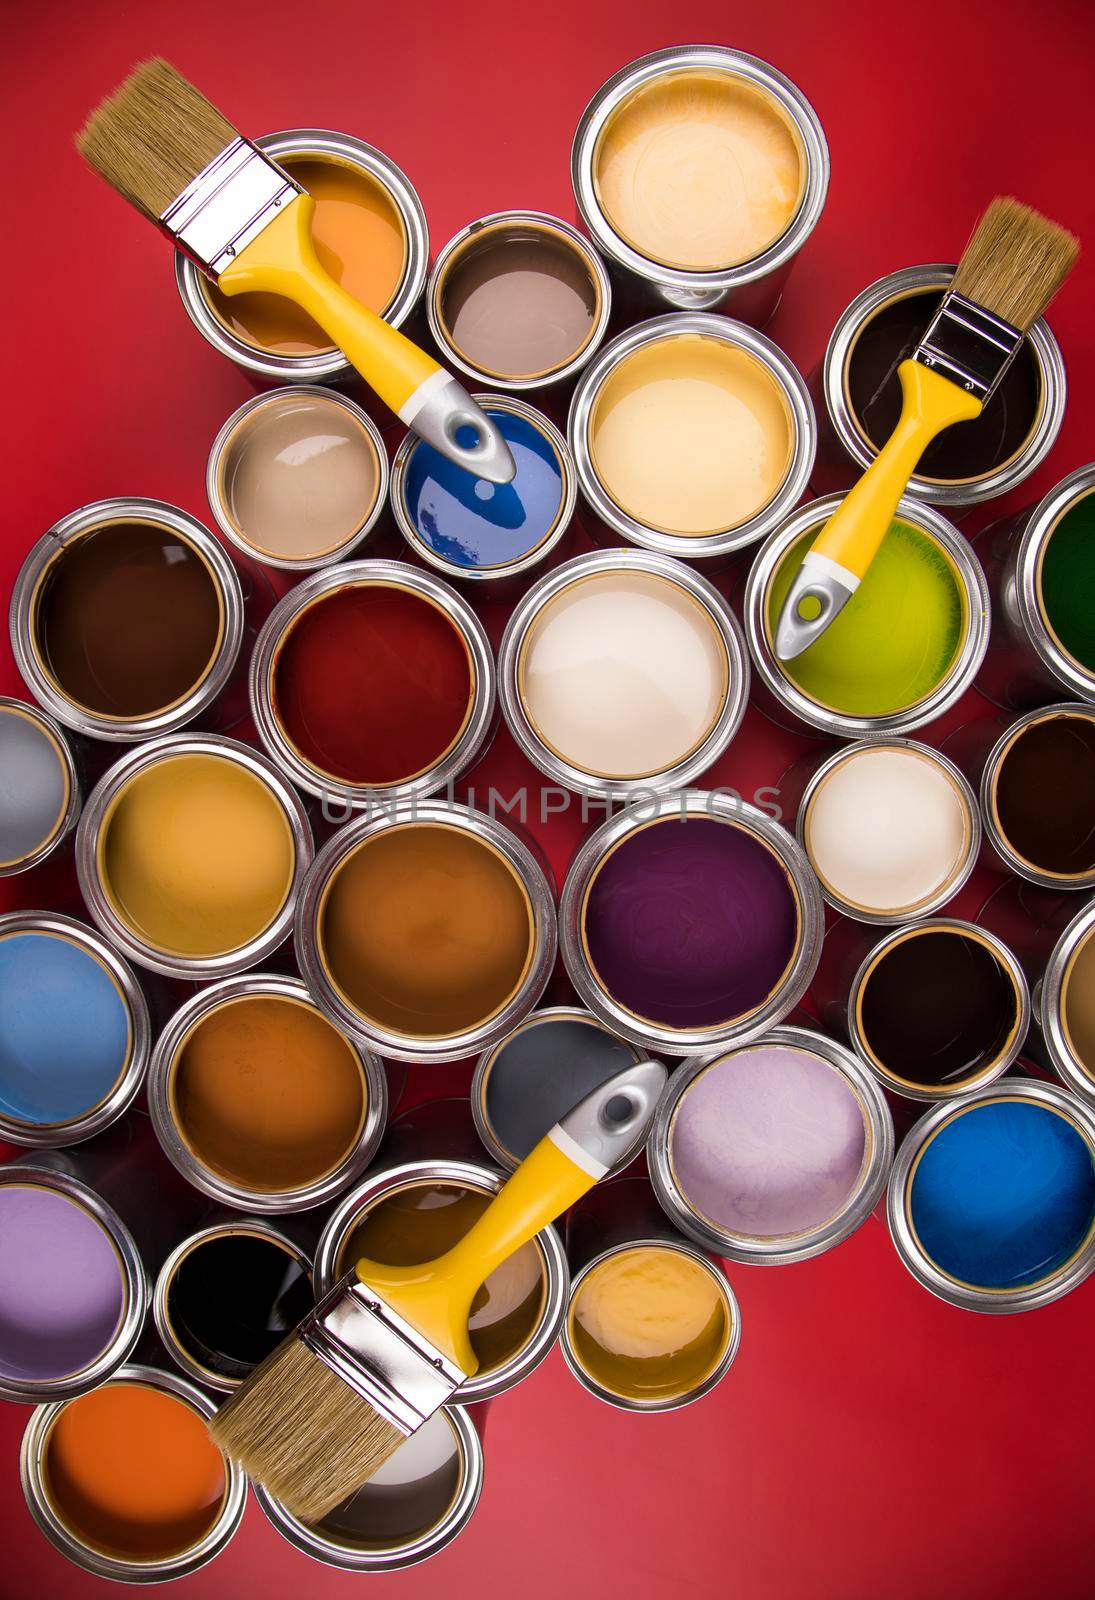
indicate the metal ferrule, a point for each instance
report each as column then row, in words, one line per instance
column 969, row 346
column 227, row 205
column 1049, row 1006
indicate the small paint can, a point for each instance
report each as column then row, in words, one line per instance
column 646, row 929
column 190, row 854
column 488, row 535
column 83, row 1463
column 652, row 1324
column 73, row 1290
column 518, row 300
column 1065, row 1005
column 992, row 1198
column 372, row 681
column 414, row 1212
column 492, row 939
column 727, row 239
column 297, row 478
column 364, row 205
column 76, row 1037
column 623, row 672
column 259, row 1101
column 1042, row 575
column 904, row 649
column 694, row 437
column 860, row 398
column 127, row 619
column 40, row 795
column 738, row 1175
column 418, row 1502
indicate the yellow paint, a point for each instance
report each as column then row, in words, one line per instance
column 196, row 855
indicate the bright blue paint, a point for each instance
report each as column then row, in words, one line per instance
column 473, row 523
column 1004, row 1194
column 64, row 1029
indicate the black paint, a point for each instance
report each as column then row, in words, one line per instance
column 1045, row 794
column 233, row 1299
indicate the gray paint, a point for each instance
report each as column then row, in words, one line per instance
column 32, row 786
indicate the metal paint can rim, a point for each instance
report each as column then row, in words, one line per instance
column 73, row 798
column 1049, row 1005
column 1069, row 883
column 1042, row 523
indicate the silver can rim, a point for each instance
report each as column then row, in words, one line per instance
column 70, row 815
column 967, row 663
column 87, row 843
column 348, row 797
column 265, row 985
column 99, row 514
column 654, row 1036
column 328, row 366
column 31, row 1470
column 1050, row 994
column 486, row 1180
column 1067, row 883
column 1041, row 525
column 778, row 1251
column 920, row 1265
column 803, row 434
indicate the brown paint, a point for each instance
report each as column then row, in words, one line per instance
column 1044, row 794
column 1079, row 1004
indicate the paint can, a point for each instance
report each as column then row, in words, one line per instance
column 40, row 796
column 692, row 252
column 127, row 619
column 992, row 1198
column 76, row 1036
column 416, row 1211
column 190, row 853
column 622, row 672
column 859, row 399
column 488, row 535
column 126, row 1483
column 362, row 198
column 417, row 973
column 772, row 1152
column 518, row 300
column 1065, row 1005
column 652, row 1324
column 904, row 649
column 413, row 1507
column 1042, row 577
column 655, row 933
column 372, row 680
column 694, row 437
column 297, row 478
column 259, row 1101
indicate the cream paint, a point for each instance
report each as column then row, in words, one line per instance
column 691, row 435
column 887, row 829
column 623, row 674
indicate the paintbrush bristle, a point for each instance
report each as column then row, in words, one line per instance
column 1015, row 262
column 296, row 1427
column 152, row 137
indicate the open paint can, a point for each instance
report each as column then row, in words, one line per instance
column 1037, row 789
column 370, row 235
column 39, row 787
column 690, row 924
column 992, row 1199
column 190, row 854
column 902, row 651
column 693, row 435
column 622, row 672
column 757, row 170
column 1065, row 1005
column 372, row 680
column 258, row 1099
column 127, row 619
column 518, row 300
column 413, row 1213
column 126, row 1482
column 772, row 1152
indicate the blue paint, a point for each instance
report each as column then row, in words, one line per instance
column 64, row 1029
column 473, row 523
column 1003, row 1194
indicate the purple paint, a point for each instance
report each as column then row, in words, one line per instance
column 691, row 923
column 62, row 1292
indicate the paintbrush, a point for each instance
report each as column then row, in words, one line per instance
column 248, row 226
column 389, row 1345
column 1014, row 264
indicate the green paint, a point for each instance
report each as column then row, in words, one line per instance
column 896, row 639
column 1068, row 581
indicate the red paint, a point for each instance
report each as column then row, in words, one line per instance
column 372, row 684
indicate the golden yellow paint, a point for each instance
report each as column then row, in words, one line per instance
column 196, row 855
column 699, row 171
column 691, row 435
column 649, row 1323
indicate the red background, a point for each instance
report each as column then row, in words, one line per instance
column 870, row 1441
